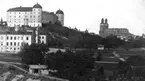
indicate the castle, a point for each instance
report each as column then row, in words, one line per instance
column 24, row 26
column 106, row 31
column 32, row 16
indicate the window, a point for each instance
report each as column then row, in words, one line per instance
column 11, row 37
column 21, row 38
column 18, row 43
column 7, row 43
column 14, row 48
column 11, row 43
column 27, row 38
column 7, row 37
column 14, row 43
column 42, row 42
column 18, row 38
column 14, row 38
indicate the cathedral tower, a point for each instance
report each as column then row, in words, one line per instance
column 103, row 26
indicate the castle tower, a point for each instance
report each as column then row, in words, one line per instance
column 60, row 15
column 103, row 26
column 37, row 15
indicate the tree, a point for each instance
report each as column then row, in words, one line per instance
column 71, row 65
column 33, row 54
column 133, row 66
column 99, row 56
column 112, row 41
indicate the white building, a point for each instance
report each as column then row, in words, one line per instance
column 12, row 41
column 30, row 16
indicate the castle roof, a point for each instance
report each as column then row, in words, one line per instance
column 20, row 9
column 59, row 12
column 37, row 6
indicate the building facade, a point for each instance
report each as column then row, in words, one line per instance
column 32, row 16
column 13, row 41
column 49, row 17
column 106, row 31
column 60, row 15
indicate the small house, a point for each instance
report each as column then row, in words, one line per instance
column 38, row 69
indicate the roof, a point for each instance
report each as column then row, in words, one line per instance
column 118, row 29
column 20, row 9
column 38, row 66
column 37, row 6
column 59, row 12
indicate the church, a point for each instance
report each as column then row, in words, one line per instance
column 106, row 31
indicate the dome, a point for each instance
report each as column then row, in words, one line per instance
column 37, row 6
column 59, row 12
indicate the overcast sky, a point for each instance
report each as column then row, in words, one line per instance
column 87, row 14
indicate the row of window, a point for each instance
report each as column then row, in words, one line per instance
column 10, row 49
column 26, row 12
column 24, row 16
column 16, row 38
column 13, row 38
column 14, row 43
column 26, row 21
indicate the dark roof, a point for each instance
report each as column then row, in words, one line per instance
column 59, row 12
column 20, row 9
column 37, row 6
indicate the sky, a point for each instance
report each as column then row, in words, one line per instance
column 87, row 14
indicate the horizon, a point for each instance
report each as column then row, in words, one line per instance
column 87, row 14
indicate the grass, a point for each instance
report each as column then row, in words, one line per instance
column 9, row 57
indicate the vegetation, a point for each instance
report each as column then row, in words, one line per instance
column 33, row 54
column 134, row 66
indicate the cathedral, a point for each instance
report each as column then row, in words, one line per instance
column 32, row 16
column 106, row 31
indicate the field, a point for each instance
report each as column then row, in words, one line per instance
column 9, row 57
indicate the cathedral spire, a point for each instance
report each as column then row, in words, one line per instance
column 102, row 21
column 106, row 21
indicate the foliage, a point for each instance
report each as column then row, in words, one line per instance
column 112, row 41
column 70, row 65
column 136, row 43
column 33, row 54
column 134, row 66
column 75, row 38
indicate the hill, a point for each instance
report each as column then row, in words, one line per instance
column 69, row 37
column 60, row 36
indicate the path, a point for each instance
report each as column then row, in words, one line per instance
column 118, row 56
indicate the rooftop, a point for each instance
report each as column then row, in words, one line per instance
column 21, row 9
column 38, row 66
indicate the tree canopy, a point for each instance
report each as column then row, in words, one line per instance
column 33, row 54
